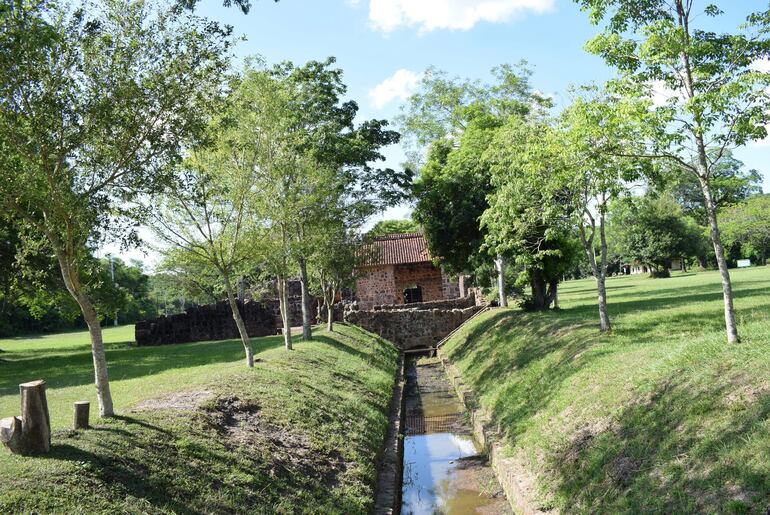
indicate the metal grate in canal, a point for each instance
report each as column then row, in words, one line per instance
column 418, row 424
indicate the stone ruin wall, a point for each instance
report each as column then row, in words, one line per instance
column 215, row 322
column 458, row 303
column 412, row 327
column 202, row 323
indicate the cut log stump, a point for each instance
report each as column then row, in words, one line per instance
column 30, row 433
column 80, row 419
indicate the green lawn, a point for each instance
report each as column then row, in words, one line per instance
column 299, row 432
column 662, row 415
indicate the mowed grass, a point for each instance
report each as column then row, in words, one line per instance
column 298, row 433
column 660, row 416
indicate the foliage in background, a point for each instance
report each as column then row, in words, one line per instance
column 652, row 230
column 748, row 223
column 385, row 227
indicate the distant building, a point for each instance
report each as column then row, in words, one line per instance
column 676, row 265
column 398, row 269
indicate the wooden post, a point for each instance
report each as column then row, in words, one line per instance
column 80, row 420
column 30, row 434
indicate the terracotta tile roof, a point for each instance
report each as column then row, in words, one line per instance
column 396, row 249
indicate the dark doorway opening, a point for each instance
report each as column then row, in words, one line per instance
column 412, row 294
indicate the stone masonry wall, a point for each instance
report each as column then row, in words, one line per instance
column 424, row 275
column 411, row 328
column 459, row 303
column 376, row 286
column 202, row 323
column 385, row 284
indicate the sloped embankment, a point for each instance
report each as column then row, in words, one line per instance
column 299, row 433
column 660, row 416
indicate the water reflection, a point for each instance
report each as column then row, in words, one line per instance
column 431, row 465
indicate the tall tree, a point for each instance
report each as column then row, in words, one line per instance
column 95, row 104
column 310, row 156
column 522, row 219
column 715, row 95
column 453, row 120
column 204, row 221
column 590, row 133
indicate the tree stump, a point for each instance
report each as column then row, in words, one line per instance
column 80, row 420
column 30, row 434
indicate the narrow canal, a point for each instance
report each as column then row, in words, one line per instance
column 444, row 469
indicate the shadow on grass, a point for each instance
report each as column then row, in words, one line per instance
column 158, row 467
column 656, row 454
column 64, row 369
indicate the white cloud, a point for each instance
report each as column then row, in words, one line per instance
column 428, row 15
column 399, row 85
column 761, row 65
column 661, row 93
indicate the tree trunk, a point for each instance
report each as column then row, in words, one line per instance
column 538, row 288
column 30, row 433
column 283, row 305
column 716, row 239
column 72, row 283
column 239, row 322
column 306, row 315
column 500, row 266
column 330, row 313
column 599, row 269
column 81, row 410
column 702, row 172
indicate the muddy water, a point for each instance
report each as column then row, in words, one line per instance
column 444, row 471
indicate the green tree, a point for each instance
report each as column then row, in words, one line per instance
column 453, row 184
column 748, row 223
column 95, row 104
column 204, row 221
column 652, row 230
column 522, row 219
column 716, row 97
column 385, row 227
column 571, row 163
column 335, row 264
column 313, row 161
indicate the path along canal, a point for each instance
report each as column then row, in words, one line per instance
column 444, row 468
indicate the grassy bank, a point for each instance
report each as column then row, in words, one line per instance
column 662, row 415
column 197, row 432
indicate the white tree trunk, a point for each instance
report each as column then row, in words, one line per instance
column 500, row 266
column 306, row 315
column 716, row 239
column 239, row 322
column 101, row 377
column 283, row 304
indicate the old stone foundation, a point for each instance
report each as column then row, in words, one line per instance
column 419, row 324
column 201, row 323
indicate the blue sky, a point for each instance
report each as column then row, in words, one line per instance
column 374, row 39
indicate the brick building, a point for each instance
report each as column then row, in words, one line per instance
column 398, row 270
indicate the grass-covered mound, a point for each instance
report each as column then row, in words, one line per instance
column 661, row 416
column 200, row 433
